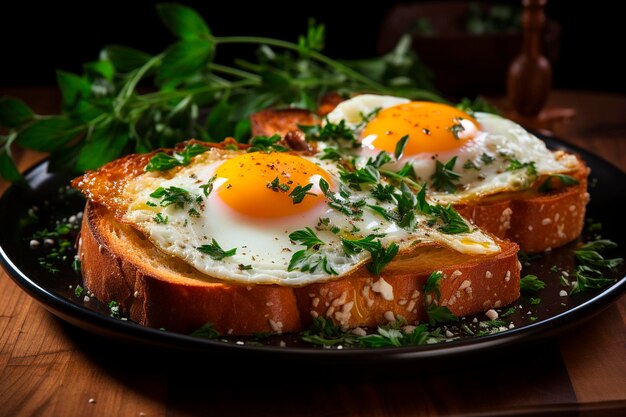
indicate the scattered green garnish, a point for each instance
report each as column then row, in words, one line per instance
column 275, row 185
column 565, row 180
column 206, row 331
column 160, row 219
column 531, row 283
column 309, row 259
column 299, row 192
column 590, row 271
column 436, row 313
column 105, row 114
column 164, row 162
column 215, row 251
column 399, row 151
column 444, row 177
column 172, row 195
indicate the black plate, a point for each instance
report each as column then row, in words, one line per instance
column 55, row 291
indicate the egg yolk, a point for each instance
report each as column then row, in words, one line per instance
column 432, row 127
column 259, row 184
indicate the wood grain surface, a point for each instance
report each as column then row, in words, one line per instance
column 51, row 368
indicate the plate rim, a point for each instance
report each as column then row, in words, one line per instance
column 103, row 325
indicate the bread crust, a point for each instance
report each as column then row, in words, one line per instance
column 157, row 290
column 535, row 221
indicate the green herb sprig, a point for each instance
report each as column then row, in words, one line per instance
column 106, row 115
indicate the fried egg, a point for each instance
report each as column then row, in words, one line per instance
column 232, row 216
column 480, row 154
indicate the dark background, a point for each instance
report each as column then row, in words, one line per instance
column 37, row 39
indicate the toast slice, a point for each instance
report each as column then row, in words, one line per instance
column 157, row 290
column 536, row 221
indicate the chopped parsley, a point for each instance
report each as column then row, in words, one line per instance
column 332, row 154
column 380, row 256
column 565, row 180
column 172, row 195
column 215, row 251
column 515, row 165
column 192, row 212
column 309, row 259
column 275, row 185
column 531, row 283
column 306, row 237
column 471, row 165
column 163, row 162
column 114, row 308
column 266, row 144
column 78, row 291
column 487, row 159
column 341, row 201
column 456, row 129
column 160, row 219
column 453, row 223
column 444, row 177
column 323, row 332
column 400, row 145
column 208, row 187
column 436, row 313
column 299, row 192
column 329, row 131
column 591, row 268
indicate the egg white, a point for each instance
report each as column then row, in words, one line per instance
column 498, row 140
column 263, row 248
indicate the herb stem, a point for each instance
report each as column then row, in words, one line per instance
column 234, row 71
column 158, row 97
column 315, row 55
column 394, row 175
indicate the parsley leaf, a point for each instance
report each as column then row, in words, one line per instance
column 340, row 201
column 444, row 177
column 215, row 251
column 456, row 129
column 439, row 314
column 433, row 282
column 436, row 313
column 380, row 256
column 172, row 195
column 565, row 180
column 163, row 162
column 275, row 185
column 308, row 261
column 208, row 187
column 531, row 283
column 515, row 165
column 329, row 131
column 400, row 145
column 266, row 144
column 306, row 237
column 591, row 263
column 299, row 192
column 453, row 223
column 160, row 219
column 331, row 154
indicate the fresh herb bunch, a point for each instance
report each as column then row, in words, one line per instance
column 186, row 93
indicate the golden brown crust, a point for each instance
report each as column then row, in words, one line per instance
column 157, row 290
column 282, row 121
column 536, row 222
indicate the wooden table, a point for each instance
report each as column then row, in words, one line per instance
column 50, row 368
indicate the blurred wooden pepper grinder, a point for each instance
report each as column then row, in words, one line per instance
column 530, row 74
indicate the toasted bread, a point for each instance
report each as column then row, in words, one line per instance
column 157, row 290
column 536, row 221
